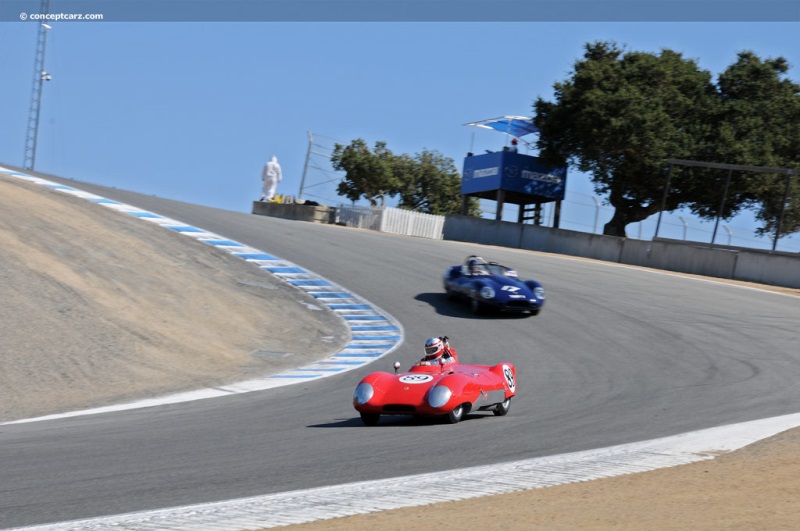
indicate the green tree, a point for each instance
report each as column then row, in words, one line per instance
column 619, row 116
column 759, row 125
column 427, row 182
column 369, row 174
column 431, row 184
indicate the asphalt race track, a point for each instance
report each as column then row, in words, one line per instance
column 617, row 355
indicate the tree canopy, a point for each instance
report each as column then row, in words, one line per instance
column 619, row 115
column 760, row 126
column 426, row 182
column 370, row 174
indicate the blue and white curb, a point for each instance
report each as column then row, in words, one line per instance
column 374, row 333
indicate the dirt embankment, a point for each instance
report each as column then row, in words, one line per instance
column 99, row 307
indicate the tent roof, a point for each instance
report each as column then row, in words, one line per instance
column 516, row 126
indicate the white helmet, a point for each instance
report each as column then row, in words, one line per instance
column 434, row 348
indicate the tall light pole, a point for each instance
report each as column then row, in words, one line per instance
column 305, row 166
column 40, row 75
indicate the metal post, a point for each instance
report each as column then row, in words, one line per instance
column 783, row 209
column 305, row 166
column 39, row 77
column 557, row 214
column 721, row 206
column 729, row 231
column 685, row 226
column 596, row 213
column 501, row 197
column 663, row 201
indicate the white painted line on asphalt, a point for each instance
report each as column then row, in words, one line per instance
column 303, row 506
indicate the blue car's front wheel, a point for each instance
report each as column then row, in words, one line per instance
column 475, row 305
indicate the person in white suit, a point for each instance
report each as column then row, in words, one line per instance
column 271, row 175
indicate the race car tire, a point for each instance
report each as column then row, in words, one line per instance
column 370, row 419
column 451, row 295
column 502, row 408
column 476, row 306
column 456, row 415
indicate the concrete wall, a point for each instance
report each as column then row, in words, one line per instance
column 778, row 269
column 485, row 231
column 571, row 243
column 298, row 212
column 769, row 269
column 695, row 260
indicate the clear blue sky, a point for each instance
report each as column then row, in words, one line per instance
column 192, row 110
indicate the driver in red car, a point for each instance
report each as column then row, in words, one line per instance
column 436, row 349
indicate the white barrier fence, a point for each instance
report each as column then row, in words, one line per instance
column 392, row 220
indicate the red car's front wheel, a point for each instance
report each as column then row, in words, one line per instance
column 370, row 419
column 456, row 415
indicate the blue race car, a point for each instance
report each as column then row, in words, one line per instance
column 489, row 285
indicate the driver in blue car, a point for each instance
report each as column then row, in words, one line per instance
column 438, row 350
column 477, row 266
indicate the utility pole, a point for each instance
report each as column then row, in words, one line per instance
column 39, row 77
column 305, row 166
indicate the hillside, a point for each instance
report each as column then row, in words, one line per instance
column 95, row 312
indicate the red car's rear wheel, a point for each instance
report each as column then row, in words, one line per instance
column 503, row 407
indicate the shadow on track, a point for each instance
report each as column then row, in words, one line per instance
column 402, row 420
column 459, row 308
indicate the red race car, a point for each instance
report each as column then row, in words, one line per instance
column 437, row 385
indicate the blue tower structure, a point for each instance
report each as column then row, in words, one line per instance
column 511, row 177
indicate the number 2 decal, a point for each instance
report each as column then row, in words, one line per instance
column 512, row 289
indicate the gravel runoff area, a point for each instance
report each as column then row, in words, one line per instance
column 94, row 312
